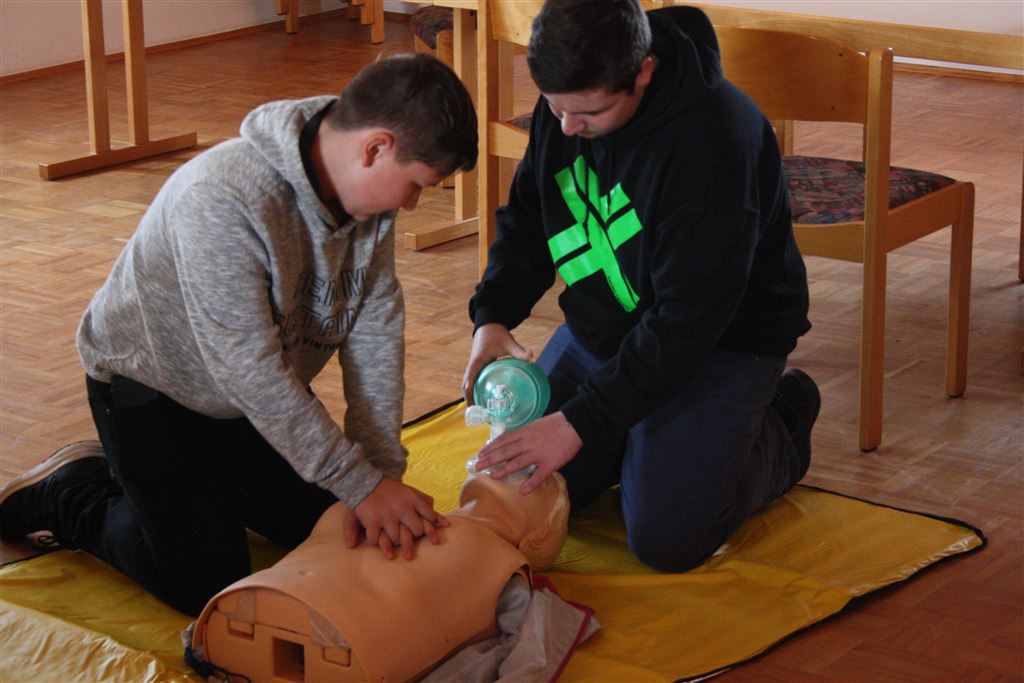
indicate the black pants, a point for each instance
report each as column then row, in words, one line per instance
column 187, row 488
column 693, row 470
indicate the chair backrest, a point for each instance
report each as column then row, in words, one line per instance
column 954, row 46
column 793, row 76
column 510, row 20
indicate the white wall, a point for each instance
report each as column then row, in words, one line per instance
column 40, row 33
column 990, row 16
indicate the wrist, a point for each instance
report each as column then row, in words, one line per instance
column 579, row 421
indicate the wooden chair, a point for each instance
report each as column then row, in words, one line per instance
column 432, row 33
column 368, row 12
column 501, row 25
column 431, row 28
column 857, row 211
column 953, row 46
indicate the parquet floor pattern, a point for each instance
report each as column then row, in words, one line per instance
column 963, row 621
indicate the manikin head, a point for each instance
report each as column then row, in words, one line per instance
column 537, row 523
column 591, row 60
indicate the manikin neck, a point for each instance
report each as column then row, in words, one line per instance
column 537, row 520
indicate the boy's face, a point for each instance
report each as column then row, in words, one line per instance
column 386, row 184
column 595, row 112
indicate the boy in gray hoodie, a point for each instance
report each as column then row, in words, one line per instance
column 257, row 261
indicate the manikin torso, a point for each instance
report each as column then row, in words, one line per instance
column 328, row 613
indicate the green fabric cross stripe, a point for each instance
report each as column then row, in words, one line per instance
column 596, row 229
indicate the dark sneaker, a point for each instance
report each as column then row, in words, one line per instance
column 28, row 504
column 798, row 402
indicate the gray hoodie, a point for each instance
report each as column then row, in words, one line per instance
column 238, row 286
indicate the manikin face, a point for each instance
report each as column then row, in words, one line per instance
column 536, row 523
column 595, row 112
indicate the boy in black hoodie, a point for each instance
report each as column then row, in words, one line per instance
column 654, row 188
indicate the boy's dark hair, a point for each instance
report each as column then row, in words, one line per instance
column 585, row 44
column 421, row 101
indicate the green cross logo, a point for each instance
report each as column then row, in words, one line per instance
column 602, row 225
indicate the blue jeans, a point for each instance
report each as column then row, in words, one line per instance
column 187, row 488
column 696, row 468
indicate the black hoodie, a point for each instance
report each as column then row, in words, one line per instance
column 673, row 234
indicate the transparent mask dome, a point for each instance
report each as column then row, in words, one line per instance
column 512, row 391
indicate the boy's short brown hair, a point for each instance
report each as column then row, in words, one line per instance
column 582, row 44
column 421, row 101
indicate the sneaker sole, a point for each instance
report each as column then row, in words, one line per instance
column 79, row 450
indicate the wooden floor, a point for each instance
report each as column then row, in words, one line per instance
column 962, row 621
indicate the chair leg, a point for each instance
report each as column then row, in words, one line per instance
column 291, row 21
column 961, row 249
column 420, row 47
column 488, row 176
column 377, row 29
column 872, row 350
column 446, row 48
column 446, row 53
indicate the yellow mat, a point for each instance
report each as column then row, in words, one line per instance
column 67, row 617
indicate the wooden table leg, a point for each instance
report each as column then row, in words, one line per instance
column 96, row 95
column 135, row 71
column 95, row 76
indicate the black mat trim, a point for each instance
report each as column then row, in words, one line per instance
column 432, row 413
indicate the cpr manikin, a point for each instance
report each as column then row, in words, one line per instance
column 329, row 613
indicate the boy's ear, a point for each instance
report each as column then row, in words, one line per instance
column 375, row 144
column 643, row 77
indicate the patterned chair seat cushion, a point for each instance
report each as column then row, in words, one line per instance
column 522, row 122
column 429, row 21
column 823, row 190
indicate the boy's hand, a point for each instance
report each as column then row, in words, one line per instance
column 490, row 341
column 548, row 442
column 394, row 515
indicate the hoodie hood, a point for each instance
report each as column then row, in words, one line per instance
column 274, row 130
column 689, row 69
